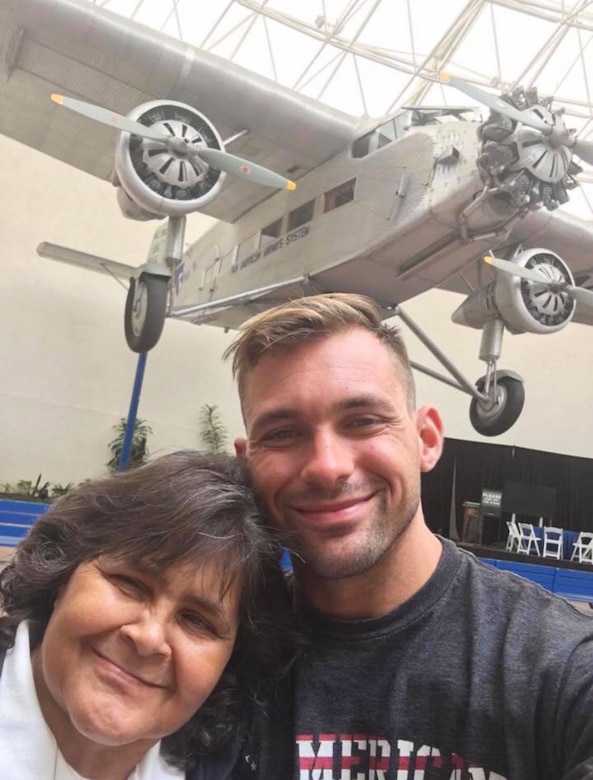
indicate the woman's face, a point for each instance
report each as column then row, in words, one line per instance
column 129, row 656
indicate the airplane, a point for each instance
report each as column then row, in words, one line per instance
column 388, row 207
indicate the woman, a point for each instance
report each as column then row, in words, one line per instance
column 142, row 615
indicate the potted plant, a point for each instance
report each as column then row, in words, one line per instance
column 139, row 451
column 212, row 431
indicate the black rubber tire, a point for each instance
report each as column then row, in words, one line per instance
column 143, row 323
column 505, row 413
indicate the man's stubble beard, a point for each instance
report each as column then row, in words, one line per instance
column 380, row 537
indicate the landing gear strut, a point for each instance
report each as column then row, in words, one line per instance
column 498, row 414
column 500, row 394
column 497, row 397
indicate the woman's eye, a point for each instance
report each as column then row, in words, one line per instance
column 127, row 584
column 195, row 622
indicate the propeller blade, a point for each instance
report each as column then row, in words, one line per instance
column 494, row 102
column 229, row 163
column 516, row 270
column 109, row 118
column 584, row 150
column 581, row 295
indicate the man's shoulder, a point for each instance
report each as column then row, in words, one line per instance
column 218, row 766
column 506, row 596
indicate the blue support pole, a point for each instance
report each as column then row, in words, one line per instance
column 132, row 413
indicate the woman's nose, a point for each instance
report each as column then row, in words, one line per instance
column 329, row 460
column 148, row 633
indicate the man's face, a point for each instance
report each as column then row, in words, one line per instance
column 334, row 450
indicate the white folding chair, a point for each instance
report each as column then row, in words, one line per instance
column 527, row 539
column 513, row 537
column 553, row 543
column 583, row 548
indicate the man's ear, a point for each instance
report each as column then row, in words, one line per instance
column 241, row 447
column 431, row 435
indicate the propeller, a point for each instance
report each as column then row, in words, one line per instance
column 217, row 158
column 495, row 103
column 106, row 117
column 230, row 163
column 584, row 150
column 542, row 275
column 556, row 132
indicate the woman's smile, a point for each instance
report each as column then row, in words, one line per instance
column 123, row 673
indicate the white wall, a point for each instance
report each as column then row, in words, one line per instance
column 66, row 374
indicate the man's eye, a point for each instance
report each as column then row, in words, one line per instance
column 279, row 436
column 283, row 434
column 364, row 422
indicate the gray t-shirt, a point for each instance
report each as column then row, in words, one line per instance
column 480, row 675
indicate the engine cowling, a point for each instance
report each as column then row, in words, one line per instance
column 156, row 181
column 524, row 306
column 526, row 168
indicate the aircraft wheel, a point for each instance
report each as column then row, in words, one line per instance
column 504, row 413
column 146, row 308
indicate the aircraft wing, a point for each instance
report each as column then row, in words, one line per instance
column 231, row 312
column 81, row 50
column 64, row 254
column 224, row 312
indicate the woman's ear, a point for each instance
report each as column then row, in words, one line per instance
column 240, row 447
column 431, row 435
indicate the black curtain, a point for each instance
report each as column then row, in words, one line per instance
column 572, row 477
column 467, row 467
column 480, row 466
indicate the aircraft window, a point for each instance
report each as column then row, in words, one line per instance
column 386, row 134
column 228, row 259
column 339, row 196
column 271, row 233
column 246, row 248
column 402, row 122
column 361, row 146
column 370, row 142
column 301, row 216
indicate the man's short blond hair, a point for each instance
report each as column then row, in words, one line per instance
column 302, row 320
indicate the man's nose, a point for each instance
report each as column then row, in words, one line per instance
column 329, row 460
column 148, row 633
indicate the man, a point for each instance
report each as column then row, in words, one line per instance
column 422, row 662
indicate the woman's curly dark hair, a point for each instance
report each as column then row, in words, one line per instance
column 186, row 507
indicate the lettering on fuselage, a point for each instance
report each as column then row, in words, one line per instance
column 289, row 238
column 278, row 244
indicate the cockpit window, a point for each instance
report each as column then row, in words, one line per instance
column 376, row 139
column 381, row 136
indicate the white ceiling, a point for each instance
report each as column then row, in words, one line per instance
column 369, row 57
